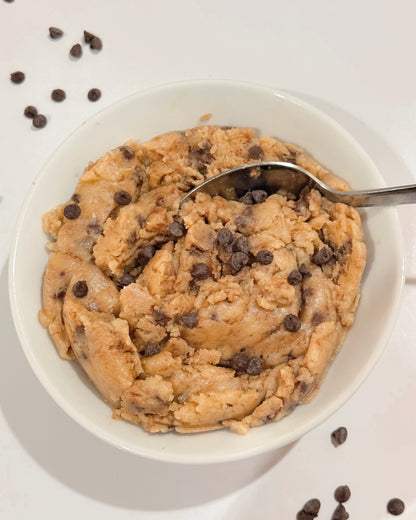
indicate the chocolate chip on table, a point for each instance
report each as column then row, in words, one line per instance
column 80, row 289
column 151, row 349
column 58, row 95
column 395, row 506
column 17, row 77
column 339, row 436
column 342, row 494
column 295, row 277
column 190, row 319
column 76, row 51
column 88, row 37
column 304, row 271
column 255, row 366
column 264, row 257
column 304, row 516
column 241, row 244
column 94, row 94
column 9, row 1
column 200, row 271
column 323, row 256
column 55, row 33
column 160, row 317
column 291, row 323
column 225, row 237
column 72, row 211
column 122, row 197
column 125, row 280
column 340, row 513
column 239, row 362
column 312, row 507
column 176, row 230
column 147, row 252
column 39, row 121
column 96, row 43
column 238, row 260
column 259, row 196
column 127, row 151
column 256, row 152
column 30, row 111
column 247, row 198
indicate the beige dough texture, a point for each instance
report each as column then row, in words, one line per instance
column 217, row 314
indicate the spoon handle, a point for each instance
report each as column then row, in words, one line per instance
column 381, row 197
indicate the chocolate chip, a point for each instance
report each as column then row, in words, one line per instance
column 96, row 43
column 312, row 506
column 94, row 94
column 323, row 256
column 200, row 156
column 339, row 436
column 80, row 289
column 255, row 366
column 342, row 494
column 80, row 332
column 17, row 77
column 244, row 222
column 55, row 33
column 160, row 317
column 151, row 349
column 127, row 151
column 239, row 362
column 317, row 318
column 60, row 295
column 30, row 112
column 200, row 271
column 238, row 260
column 291, row 323
column 247, row 198
column 76, row 51
column 304, row 516
column 9, row 1
column 176, row 230
column 58, row 95
column 295, row 277
column 241, row 244
column 190, row 319
column 225, row 237
column 264, row 257
column 125, row 280
column 39, row 121
column 88, row 37
column 95, row 229
column 147, row 252
column 76, row 197
column 72, row 211
column 340, row 513
column 304, row 271
column 259, row 196
column 122, row 197
column 395, row 506
column 256, row 152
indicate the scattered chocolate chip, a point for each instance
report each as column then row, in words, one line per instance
column 94, row 94
column 80, row 332
column 176, row 230
column 138, row 177
column 17, row 77
column 151, row 349
column 259, row 196
column 317, row 318
column 244, row 222
column 80, row 289
column 147, row 252
column 60, row 295
column 295, row 277
column 200, row 271
column 76, row 51
column 127, row 151
column 141, row 219
column 88, row 37
column 304, row 271
column 264, row 257
column 323, row 256
column 342, row 494
column 160, row 317
column 239, row 362
column 122, row 197
column 76, row 197
column 255, row 366
column 339, row 436
column 58, row 95
column 96, row 43
column 256, row 152
column 200, row 156
column 247, row 198
column 190, row 319
column 30, row 112
column 302, row 515
column 39, row 121
column 55, row 33
column 72, row 211
column 340, row 513
column 238, row 260
column 125, row 280
column 225, row 237
column 291, row 323
column 312, row 507
column 241, row 244
column 395, row 506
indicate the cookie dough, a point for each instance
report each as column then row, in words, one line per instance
column 217, row 314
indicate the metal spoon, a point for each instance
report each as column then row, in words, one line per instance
column 273, row 176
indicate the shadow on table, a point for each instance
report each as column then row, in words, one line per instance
column 90, row 466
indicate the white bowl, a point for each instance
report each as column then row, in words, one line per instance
column 179, row 106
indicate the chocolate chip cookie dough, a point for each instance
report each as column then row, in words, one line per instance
column 217, row 314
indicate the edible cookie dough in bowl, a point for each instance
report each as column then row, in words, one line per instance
column 216, row 317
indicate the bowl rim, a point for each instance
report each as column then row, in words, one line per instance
column 163, row 455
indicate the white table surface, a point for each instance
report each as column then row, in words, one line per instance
column 355, row 60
